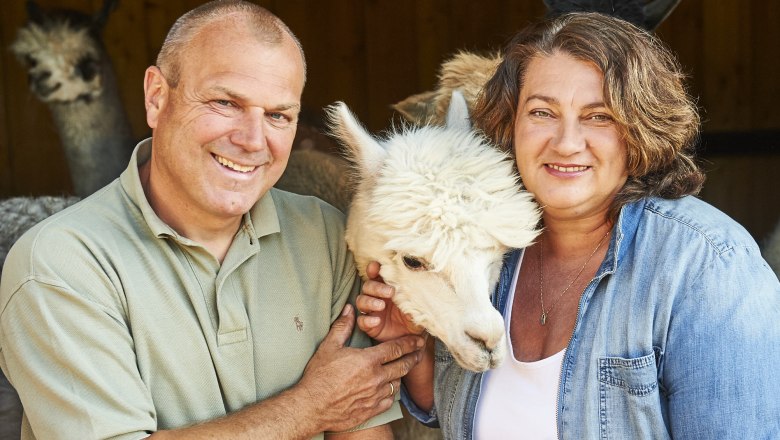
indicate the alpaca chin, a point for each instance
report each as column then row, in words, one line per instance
column 479, row 346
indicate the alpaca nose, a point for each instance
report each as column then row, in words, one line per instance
column 486, row 339
column 41, row 86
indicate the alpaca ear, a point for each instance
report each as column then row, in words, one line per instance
column 100, row 18
column 417, row 109
column 514, row 223
column 34, row 12
column 458, row 112
column 361, row 147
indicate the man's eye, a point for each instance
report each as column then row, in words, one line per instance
column 278, row 116
column 223, row 102
column 540, row 113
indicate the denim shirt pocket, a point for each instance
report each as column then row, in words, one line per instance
column 629, row 398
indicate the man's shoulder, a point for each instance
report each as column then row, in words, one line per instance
column 81, row 230
column 296, row 206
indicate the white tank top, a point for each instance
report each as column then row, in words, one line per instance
column 518, row 400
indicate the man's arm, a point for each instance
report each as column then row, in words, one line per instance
column 383, row 321
column 382, row 432
column 341, row 388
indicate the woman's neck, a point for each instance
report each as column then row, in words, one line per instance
column 571, row 238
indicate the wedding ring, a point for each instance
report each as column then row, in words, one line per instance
column 392, row 389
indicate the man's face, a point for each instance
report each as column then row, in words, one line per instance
column 222, row 136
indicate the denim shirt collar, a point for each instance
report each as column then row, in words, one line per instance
column 623, row 234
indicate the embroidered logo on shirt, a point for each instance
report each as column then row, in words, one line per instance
column 298, row 324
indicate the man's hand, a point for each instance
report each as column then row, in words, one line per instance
column 379, row 317
column 350, row 385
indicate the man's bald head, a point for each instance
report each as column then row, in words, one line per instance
column 269, row 29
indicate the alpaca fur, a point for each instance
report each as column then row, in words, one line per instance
column 70, row 71
column 438, row 207
column 466, row 72
column 21, row 213
column 771, row 250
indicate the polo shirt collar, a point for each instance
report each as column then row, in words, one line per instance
column 262, row 219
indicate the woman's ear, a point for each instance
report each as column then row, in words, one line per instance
column 155, row 94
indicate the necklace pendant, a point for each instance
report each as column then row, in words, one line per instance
column 543, row 318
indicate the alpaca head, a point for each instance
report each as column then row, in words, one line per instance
column 62, row 53
column 438, row 207
column 466, row 72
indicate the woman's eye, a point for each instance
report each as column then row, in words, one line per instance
column 414, row 263
column 540, row 113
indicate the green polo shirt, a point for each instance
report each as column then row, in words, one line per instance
column 112, row 325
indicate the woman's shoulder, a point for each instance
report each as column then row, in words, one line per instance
column 690, row 218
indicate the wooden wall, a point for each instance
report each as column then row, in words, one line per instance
column 372, row 53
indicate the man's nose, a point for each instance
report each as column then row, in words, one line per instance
column 250, row 133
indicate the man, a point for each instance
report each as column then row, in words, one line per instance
column 189, row 299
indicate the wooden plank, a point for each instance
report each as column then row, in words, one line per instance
column 727, row 86
column 431, row 23
column 129, row 59
column 5, row 148
column 391, row 59
column 765, row 56
column 738, row 186
column 682, row 33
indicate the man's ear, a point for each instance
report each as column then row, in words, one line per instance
column 156, row 91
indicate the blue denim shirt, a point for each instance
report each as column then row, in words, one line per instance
column 677, row 336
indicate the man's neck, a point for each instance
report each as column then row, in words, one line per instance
column 216, row 235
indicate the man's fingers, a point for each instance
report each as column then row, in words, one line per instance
column 368, row 304
column 377, row 289
column 392, row 350
column 400, row 367
column 341, row 329
column 372, row 270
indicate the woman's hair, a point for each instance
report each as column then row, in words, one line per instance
column 643, row 87
column 268, row 27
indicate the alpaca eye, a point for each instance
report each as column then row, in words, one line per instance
column 414, row 263
column 87, row 68
column 31, row 62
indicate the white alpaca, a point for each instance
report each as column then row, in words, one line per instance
column 438, row 207
column 70, row 71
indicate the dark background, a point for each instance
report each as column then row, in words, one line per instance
column 374, row 53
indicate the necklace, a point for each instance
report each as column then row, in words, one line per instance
column 546, row 313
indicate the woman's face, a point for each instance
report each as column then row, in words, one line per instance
column 569, row 149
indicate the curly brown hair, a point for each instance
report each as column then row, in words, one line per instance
column 643, row 87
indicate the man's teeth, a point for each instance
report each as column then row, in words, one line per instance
column 568, row 169
column 234, row 166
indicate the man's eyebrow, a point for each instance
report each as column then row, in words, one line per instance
column 229, row 92
column 291, row 106
column 241, row 97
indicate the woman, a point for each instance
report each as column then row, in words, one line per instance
column 641, row 311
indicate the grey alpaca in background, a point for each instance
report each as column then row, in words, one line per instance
column 70, row 71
